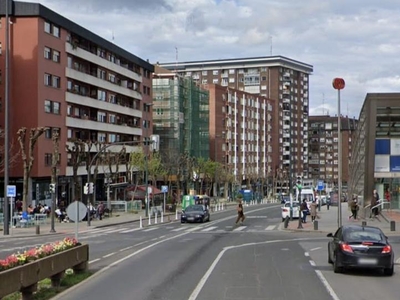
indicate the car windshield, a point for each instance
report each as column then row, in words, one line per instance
column 308, row 197
column 354, row 235
column 194, row 208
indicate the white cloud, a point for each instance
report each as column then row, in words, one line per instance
column 357, row 40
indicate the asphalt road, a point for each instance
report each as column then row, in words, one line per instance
column 218, row 261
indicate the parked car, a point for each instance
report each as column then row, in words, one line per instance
column 286, row 210
column 356, row 246
column 195, row 213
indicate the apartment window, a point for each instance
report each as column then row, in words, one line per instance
column 56, row 81
column 204, row 73
column 231, row 71
column 69, row 133
column 112, row 78
column 112, row 119
column 101, row 74
column 56, row 56
column 204, row 81
column 56, row 31
column 101, row 137
column 215, row 81
column 47, row 53
column 231, row 80
column 47, row 79
column 48, row 158
column 101, row 117
column 69, row 110
column 215, row 72
column 51, row 131
column 112, row 138
column 101, row 95
column 112, row 99
column 52, row 107
column 47, row 27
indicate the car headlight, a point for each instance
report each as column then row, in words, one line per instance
column 198, row 216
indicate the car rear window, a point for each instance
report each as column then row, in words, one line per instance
column 295, row 204
column 362, row 235
column 194, row 208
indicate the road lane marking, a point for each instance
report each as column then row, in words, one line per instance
column 94, row 260
column 179, row 229
column 270, row 227
column 325, row 282
column 131, row 230
column 240, row 228
column 317, row 248
column 209, row 228
column 150, row 229
column 124, row 249
column 115, row 230
column 398, row 261
column 109, row 254
column 193, row 229
column 306, row 254
column 208, row 273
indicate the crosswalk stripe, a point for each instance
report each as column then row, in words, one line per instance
column 270, row 227
column 131, row 230
column 209, row 228
column 193, row 229
column 115, row 230
column 240, row 228
column 179, row 229
column 150, row 229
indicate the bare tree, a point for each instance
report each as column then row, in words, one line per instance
column 76, row 153
column 28, row 158
column 56, row 156
column 12, row 157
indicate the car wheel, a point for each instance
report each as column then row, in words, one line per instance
column 329, row 257
column 208, row 220
column 283, row 219
column 182, row 221
column 388, row 271
column 336, row 267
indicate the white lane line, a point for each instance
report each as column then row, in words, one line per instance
column 209, row 228
column 94, row 260
column 115, row 230
column 131, row 230
column 193, row 229
column 317, row 248
column 179, row 229
column 398, row 261
column 325, row 282
column 124, row 249
column 109, row 254
column 240, row 228
column 150, row 229
column 270, row 227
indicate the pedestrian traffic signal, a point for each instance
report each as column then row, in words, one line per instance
column 52, row 188
column 90, row 187
column 86, row 189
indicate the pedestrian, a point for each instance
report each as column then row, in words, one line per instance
column 374, row 203
column 241, row 217
column 354, row 209
column 304, row 210
column 313, row 210
column 100, row 210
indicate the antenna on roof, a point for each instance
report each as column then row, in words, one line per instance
column 112, row 36
column 323, row 103
column 270, row 50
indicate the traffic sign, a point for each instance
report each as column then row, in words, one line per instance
column 320, row 185
column 164, row 188
column 11, row 191
column 76, row 209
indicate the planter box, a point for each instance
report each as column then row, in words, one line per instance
column 28, row 275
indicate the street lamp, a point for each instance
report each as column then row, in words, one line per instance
column 146, row 139
column 339, row 84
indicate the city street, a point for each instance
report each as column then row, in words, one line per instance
column 216, row 260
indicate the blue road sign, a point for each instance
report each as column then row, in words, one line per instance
column 320, row 186
column 11, row 191
column 164, row 188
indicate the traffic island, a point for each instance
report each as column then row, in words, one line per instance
column 24, row 278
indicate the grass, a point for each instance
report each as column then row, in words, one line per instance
column 46, row 291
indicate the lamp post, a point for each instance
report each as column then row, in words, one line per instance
column 339, row 84
column 146, row 139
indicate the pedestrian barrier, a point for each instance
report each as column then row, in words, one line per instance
column 392, row 226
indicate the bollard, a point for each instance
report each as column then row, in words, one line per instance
column 364, row 223
column 392, row 226
column 149, row 220
column 140, row 222
column 155, row 218
column 176, row 214
column 315, row 225
column 162, row 217
column 222, row 206
column 286, row 222
column 37, row 229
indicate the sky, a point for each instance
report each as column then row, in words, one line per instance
column 357, row 40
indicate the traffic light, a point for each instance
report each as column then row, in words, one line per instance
column 52, row 188
column 90, row 187
column 86, row 189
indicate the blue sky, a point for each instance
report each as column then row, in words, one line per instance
column 358, row 40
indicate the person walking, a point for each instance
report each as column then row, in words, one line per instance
column 100, row 210
column 313, row 210
column 304, row 211
column 374, row 202
column 354, row 209
column 241, row 217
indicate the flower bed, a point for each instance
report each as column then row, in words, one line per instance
column 22, row 271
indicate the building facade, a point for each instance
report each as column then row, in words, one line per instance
column 71, row 81
column 375, row 161
column 324, row 146
column 274, row 77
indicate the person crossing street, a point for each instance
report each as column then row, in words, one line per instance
column 241, row 217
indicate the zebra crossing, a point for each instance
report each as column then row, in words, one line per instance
column 96, row 232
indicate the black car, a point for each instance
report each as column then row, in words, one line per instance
column 195, row 213
column 356, row 246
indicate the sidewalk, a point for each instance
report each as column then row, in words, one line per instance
column 117, row 218
column 328, row 221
